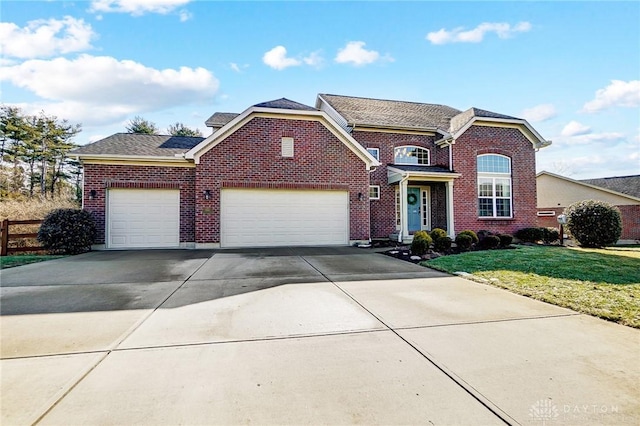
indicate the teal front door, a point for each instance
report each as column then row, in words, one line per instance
column 413, row 209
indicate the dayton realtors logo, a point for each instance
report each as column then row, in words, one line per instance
column 543, row 411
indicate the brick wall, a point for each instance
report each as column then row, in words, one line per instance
column 383, row 211
column 630, row 220
column 100, row 177
column 479, row 140
column 251, row 157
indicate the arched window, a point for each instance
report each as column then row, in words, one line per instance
column 411, row 155
column 494, row 186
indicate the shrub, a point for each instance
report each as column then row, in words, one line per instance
column 442, row 244
column 482, row 234
column 437, row 233
column 67, row 231
column 489, row 242
column 421, row 242
column 473, row 235
column 594, row 223
column 464, row 241
column 505, row 240
column 550, row 235
column 529, row 235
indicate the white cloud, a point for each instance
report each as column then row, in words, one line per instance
column 573, row 128
column 593, row 138
column 138, row 7
column 185, row 15
column 355, row 54
column 476, row 35
column 618, row 93
column 539, row 113
column 101, row 89
column 277, row 59
column 314, row 59
column 45, row 38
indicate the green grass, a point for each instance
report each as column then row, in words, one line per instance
column 24, row 259
column 600, row 282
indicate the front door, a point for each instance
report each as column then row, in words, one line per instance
column 413, row 209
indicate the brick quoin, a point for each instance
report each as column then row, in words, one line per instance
column 100, row 177
column 512, row 143
column 252, row 157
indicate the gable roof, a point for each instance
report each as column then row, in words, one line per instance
column 138, row 145
column 629, row 185
column 367, row 112
column 219, row 119
column 463, row 118
column 586, row 184
column 279, row 109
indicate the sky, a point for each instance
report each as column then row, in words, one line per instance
column 572, row 69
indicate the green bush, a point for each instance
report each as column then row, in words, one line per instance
column 464, row 241
column 442, row 244
column 437, row 233
column 421, row 242
column 489, row 242
column 550, row 235
column 594, row 223
column 529, row 235
column 67, row 231
column 505, row 240
column 473, row 235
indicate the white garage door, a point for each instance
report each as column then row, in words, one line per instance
column 143, row 218
column 262, row 217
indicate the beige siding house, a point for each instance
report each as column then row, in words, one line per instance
column 555, row 192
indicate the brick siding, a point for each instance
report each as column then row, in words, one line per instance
column 100, row 177
column 251, row 157
column 630, row 220
column 512, row 143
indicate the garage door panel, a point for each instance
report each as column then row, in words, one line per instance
column 143, row 218
column 259, row 217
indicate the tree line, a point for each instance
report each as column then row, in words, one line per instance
column 34, row 153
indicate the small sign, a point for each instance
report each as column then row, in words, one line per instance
column 562, row 219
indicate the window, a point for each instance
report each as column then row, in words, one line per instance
column 374, row 192
column 375, row 152
column 287, row 147
column 397, row 209
column 494, row 186
column 411, row 155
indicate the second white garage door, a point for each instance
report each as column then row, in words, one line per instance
column 143, row 218
column 262, row 218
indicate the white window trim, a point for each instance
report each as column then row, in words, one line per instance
column 377, row 187
column 493, row 176
column 546, row 213
column 376, row 155
column 425, row 207
column 412, row 146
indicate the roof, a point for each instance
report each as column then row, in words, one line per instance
column 575, row 195
column 284, row 103
column 219, row 119
column 629, row 185
column 427, row 169
column 463, row 118
column 369, row 112
column 135, row 144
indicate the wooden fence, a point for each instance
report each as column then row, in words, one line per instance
column 8, row 236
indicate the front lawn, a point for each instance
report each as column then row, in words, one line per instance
column 24, row 259
column 600, row 282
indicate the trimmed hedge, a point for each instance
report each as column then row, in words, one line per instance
column 442, row 244
column 529, row 235
column 421, row 243
column 464, row 241
column 67, row 231
column 594, row 223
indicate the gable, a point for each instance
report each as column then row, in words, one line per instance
column 252, row 113
column 559, row 191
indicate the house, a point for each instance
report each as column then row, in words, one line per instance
column 345, row 171
column 556, row 192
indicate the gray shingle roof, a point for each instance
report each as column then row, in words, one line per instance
column 387, row 113
column 219, row 119
column 284, row 103
column 463, row 118
column 415, row 168
column 140, row 145
column 629, row 185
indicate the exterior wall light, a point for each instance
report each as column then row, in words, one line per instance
column 92, row 194
column 359, row 196
column 207, row 194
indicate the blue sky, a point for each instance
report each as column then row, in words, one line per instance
column 571, row 68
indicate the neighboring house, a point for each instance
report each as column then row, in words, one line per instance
column 556, row 192
column 283, row 173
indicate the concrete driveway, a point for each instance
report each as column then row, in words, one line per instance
column 297, row 336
